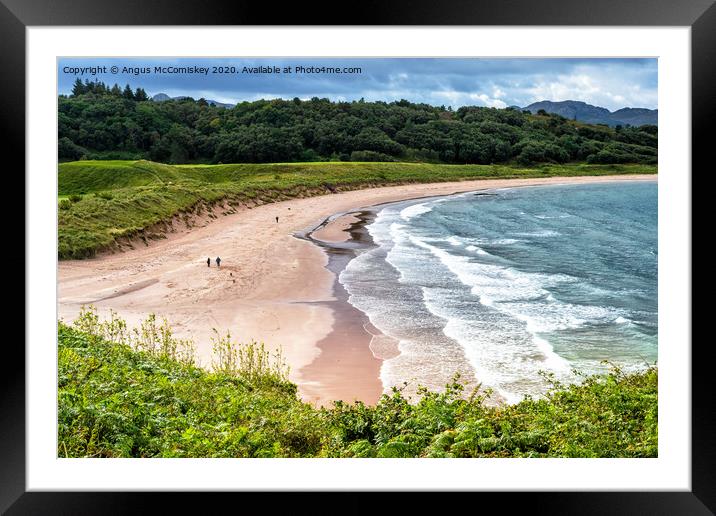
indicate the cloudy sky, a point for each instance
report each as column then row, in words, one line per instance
column 610, row 83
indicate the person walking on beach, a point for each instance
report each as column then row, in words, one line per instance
column 218, row 262
column 276, row 220
column 208, row 262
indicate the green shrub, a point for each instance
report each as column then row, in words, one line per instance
column 136, row 393
column 67, row 150
column 367, row 155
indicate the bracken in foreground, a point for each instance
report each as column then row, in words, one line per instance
column 137, row 393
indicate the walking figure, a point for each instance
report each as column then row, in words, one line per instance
column 276, row 220
column 208, row 262
column 218, row 262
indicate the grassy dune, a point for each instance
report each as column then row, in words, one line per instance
column 124, row 394
column 103, row 201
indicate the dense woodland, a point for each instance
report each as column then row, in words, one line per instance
column 101, row 122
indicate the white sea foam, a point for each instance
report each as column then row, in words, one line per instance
column 501, row 241
column 518, row 294
column 413, row 211
column 503, row 356
column 511, row 293
column 477, row 250
column 554, row 361
column 547, row 217
column 539, row 234
column 506, row 321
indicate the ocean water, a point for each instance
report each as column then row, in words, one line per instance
column 509, row 284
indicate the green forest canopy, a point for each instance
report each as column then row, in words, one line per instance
column 101, row 122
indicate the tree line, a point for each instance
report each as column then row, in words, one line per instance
column 100, row 88
column 101, row 122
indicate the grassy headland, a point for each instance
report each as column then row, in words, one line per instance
column 147, row 399
column 104, row 201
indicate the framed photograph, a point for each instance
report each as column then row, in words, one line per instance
column 432, row 250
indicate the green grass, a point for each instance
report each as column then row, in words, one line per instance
column 142, row 193
column 147, row 399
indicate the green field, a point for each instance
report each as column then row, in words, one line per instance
column 148, row 400
column 103, row 201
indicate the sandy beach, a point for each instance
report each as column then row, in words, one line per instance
column 271, row 287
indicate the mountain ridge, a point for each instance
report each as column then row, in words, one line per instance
column 588, row 113
column 163, row 97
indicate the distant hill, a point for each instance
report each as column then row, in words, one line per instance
column 637, row 116
column 162, row 97
column 589, row 114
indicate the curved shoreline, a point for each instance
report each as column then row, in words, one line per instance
column 346, row 352
column 271, row 287
column 340, row 234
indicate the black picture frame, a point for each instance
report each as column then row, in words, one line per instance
column 700, row 15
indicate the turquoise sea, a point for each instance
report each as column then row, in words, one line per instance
column 505, row 284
